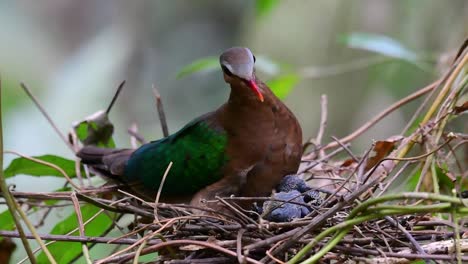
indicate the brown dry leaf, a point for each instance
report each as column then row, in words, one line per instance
column 6, row 250
column 459, row 109
column 381, row 150
column 348, row 163
column 191, row 247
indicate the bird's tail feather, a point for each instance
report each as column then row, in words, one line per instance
column 110, row 162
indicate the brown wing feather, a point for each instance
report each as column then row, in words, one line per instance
column 110, row 162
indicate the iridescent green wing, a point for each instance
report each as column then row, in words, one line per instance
column 198, row 153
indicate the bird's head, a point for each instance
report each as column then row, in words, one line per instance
column 238, row 68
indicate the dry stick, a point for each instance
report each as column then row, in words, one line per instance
column 156, row 218
column 119, row 89
column 317, row 162
column 213, row 260
column 424, row 170
column 235, row 210
column 161, row 185
column 44, row 113
column 295, row 234
column 408, row 235
column 34, row 233
column 137, row 136
column 138, row 252
column 346, row 148
column 323, row 123
column 139, row 241
column 156, row 247
column 398, row 173
column 240, row 257
column 268, row 253
column 162, row 115
column 383, row 114
column 133, row 232
column 84, row 239
column 452, row 152
column 399, row 255
column 422, row 106
column 129, row 241
column 360, row 167
column 76, row 206
column 448, row 84
column 78, row 172
column 443, row 115
column 9, row 199
column 342, row 185
column 70, row 232
column 135, row 197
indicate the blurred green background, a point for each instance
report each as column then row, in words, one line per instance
column 73, row 54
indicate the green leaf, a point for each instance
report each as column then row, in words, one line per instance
column 283, row 85
column 445, row 183
column 206, row 64
column 412, row 182
column 263, row 7
column 96, row 130
column 65, row 252
column 24, row 166
column 6, row 221
column 380, row 44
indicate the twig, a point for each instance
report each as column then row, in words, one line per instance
column 214, row 260
column 317, row 162
column 138, row 252
column 268, row 253
column 9, row 199
column 162, row 115
column 396, row 255
column 235, row 210
column 398, row 173
column 46, row 115
column 75, row 229
column 154, row 248
column 34, row 233
column 138, row 242
column 384, row 113
column 445, row 89
column 319, row 220
column 408, row 235
column 323, row 123
column 342, row 185
column 83, row 239
column 240, row 257
column 76, row 206
column 119, row 89
column 421, row 107
column 161, row 185
column 135, row 136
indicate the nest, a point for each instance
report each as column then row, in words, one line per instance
column 356, row 220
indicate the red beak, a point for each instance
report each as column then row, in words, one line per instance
column 255, row 89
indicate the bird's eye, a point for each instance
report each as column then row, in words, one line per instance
column 226, row 70
column 255, row 59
